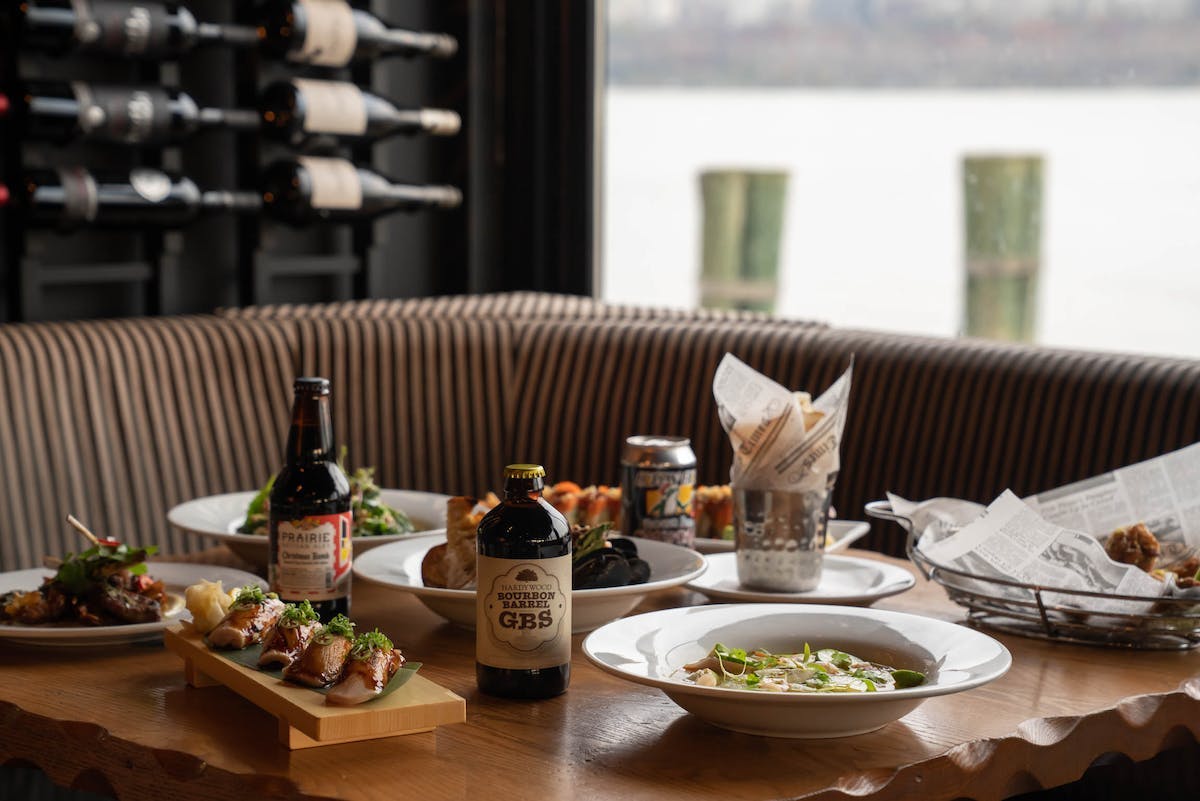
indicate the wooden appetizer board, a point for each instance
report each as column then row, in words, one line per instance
column 305, row 720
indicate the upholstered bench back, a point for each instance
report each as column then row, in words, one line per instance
column 928, row 417
column 515, row 306
column 116, row 421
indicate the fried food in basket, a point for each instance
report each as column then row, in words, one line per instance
column 1133, row 545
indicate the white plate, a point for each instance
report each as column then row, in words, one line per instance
column 650, row 648
column 219, row 516
column 844, row 580
column 176, row 576
column 399, row 566
column 841, row 533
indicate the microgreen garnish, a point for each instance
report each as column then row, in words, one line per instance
column 295, row 615
column 340, row 626
column 369, row 641
column 250, row 595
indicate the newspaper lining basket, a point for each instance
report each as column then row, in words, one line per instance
column 1052, row 613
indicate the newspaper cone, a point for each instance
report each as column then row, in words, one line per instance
column 780, row 440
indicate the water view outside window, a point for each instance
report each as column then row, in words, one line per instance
column 1048, row 149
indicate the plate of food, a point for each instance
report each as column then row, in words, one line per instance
column 617, row 571
column 106, row 595
column 783, row 670
column 381, row 516
column 327, row 681
column 849, row 580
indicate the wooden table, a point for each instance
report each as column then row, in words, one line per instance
column 121, row 720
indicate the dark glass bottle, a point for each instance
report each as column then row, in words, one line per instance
column 61, row 112
column 301, row 109
column 310, row 551
column 331, row 33
column 74, row 197
column 120, row 28
column 313, row 189
column 523, row 600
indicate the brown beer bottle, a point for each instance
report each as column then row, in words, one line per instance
column 523, row 601
column 310, row 519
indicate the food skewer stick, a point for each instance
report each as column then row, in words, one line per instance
column 82, row 529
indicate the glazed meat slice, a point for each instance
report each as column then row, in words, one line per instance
column 124, row 605
column 365, row 678
column 246, row 622
column 285, row 642
column 322, row 661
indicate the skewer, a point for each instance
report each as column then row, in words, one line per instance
column 82, row 529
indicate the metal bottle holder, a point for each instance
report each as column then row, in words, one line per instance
column 1052, row 613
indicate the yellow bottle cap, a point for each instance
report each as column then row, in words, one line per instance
column 524, row 471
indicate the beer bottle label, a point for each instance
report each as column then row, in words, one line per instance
column 313, row 556
column 523, row 612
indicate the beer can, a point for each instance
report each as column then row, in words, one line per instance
column 658, row 476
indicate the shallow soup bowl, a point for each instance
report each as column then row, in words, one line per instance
column 652, row 648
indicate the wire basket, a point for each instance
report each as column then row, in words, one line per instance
column 1052, row 613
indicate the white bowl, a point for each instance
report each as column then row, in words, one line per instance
column 651, row 648
column 399, row 566
column 219, row 516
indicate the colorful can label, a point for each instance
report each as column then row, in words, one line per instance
column 313, row 557
column 657, row 503
column 523, row 612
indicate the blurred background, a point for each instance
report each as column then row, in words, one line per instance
column 1018, row 169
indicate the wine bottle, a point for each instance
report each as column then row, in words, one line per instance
column 309, row 189
column 121, row 28
column 74, row 197
column 330, row 33
column 60, row 112
column 297, row 110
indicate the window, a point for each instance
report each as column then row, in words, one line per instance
column 848, row 141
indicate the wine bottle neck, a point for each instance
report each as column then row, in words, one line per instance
column 235, row 35
column 225, row 200
column 439, row 45
column 410, row 196
column 234, row 119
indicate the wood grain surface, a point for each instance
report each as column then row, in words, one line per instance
column 123, row 717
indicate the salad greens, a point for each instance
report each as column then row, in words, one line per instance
column 828, row 670
column 79, row 571
column 372, row 517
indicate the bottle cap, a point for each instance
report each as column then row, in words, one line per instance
column 524, row 471
column 311, row 385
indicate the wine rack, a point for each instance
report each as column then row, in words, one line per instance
column 230, row 259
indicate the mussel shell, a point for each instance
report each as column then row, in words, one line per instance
column 640, row 571
column 624, row 546
column 603, row 567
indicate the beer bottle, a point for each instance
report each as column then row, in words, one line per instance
column 523, row 602
column 310, row 520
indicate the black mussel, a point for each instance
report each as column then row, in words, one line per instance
column 624, row 546
column 603, row 567
column 640, row 570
